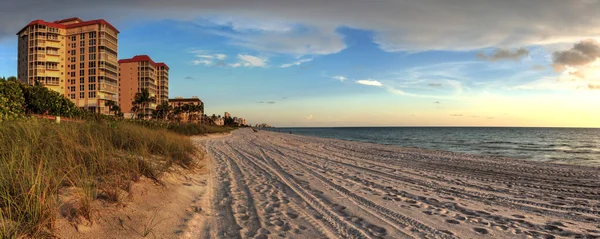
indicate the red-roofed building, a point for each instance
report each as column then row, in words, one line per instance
column 73, row 57
column 138, row 73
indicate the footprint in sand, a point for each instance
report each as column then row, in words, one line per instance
column 480, row 230
column 452, row 221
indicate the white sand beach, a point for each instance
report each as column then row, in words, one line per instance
column 272, row 185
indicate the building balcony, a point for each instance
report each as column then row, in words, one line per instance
column 104, row 87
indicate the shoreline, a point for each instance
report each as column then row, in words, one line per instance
column 297, row 186
column 437, row 146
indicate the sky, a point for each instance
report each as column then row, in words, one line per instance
column 358, row 63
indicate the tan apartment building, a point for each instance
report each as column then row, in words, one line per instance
column 138, row 73
column 73, row 57
column 179, row 102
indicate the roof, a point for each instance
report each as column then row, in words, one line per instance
column 69, row 20
column 42, row 22
column 184, row 99
column 162, row 64
column 138, row 58
column 93, row 22
column 60, row 23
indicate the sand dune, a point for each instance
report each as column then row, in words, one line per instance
column 271, row 185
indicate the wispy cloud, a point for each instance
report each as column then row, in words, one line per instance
column 202, row 62
column 214, row 56
column 297, row 63
column 189, row 78
column 250, row 61
column 504, row 54
column 434, row 84
column 340, row 78
column 369, row 82
column 309, row 117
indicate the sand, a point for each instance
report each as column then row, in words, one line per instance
column 273, row 185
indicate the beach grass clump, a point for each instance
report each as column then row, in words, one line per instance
column 40, row 159
column 188, row 129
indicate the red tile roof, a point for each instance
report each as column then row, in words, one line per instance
column 59, row 24
column 42, row 22
column 69, row 20
column 138, row 58
column 92, row 22
column 162, row 64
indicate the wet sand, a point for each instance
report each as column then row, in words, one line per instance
column 272, row 185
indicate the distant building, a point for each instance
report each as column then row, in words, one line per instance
column 192, row 116
column 219, row 121
column 75, row 58
column 138, row 73
column 227, row 115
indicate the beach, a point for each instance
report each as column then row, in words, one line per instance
column 275, row 185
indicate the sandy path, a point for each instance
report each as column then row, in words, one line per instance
column 272, row 185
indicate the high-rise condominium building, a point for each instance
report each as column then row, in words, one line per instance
column 138, row 73
column 73, row 57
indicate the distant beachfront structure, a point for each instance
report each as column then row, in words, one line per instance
column 219, row 121
column 227, row 115
column 179, row 102
column 76, row 58
column 138, row 73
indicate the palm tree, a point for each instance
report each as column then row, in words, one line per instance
column 142, row 99
column 110, row 104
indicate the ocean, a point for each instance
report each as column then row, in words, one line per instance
column 560, row 145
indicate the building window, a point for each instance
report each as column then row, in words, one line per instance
column 81, row 87
column 92, row 49
column 82, row 36
column 82, row 50
column 82, row 58
column 92, row 34
column 92, row 94
column 81, row 95
column 72, row 88
column 91, row 71
column 73, row 74
column 91, row 87
column 92, row 57
column 91, row 79
column 73, row 45
column 72, row 96
column 73, row 38
column 73, row 59
column 92, row 64
column 73, row 52
column 81, row 65
column 82, row 43
column 93, row 42
column 73, row 67
column 81, row 80
column 81, row 72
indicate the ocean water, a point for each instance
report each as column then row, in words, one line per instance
column 561, row 145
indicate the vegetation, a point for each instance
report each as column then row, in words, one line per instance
column 97, row 156
column 39, row 158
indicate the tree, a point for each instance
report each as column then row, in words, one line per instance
column 112, row 106
column 162, row 111
column 142, row 100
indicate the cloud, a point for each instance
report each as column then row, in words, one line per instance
column 250, row 61
column 582, row 53
column 297, row 63
column 268, row 102
column 189, row 78
column 215, row 56
column 434, row 84
column 260, row 102
column 456, row 115
column 437, row 102
column 311, row 27
column 309, row 117
column 271, row 102
column 538, row 68
column 504, row 54
column 593, row 87
column 369, row 82
column 340, row 78
column 202, row 62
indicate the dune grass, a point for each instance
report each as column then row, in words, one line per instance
column 188, row 129
column 39, row 158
